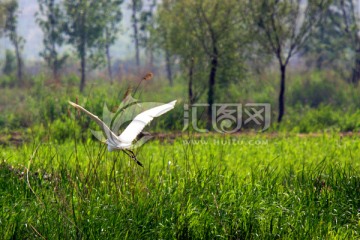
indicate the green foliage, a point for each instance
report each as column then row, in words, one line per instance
column 10, row 63
column 335, row 43
column 198, row 36
column 282, row 28
column 6, row 81
column 344, row 19
column 50, row 19
column 147, row 23
column 317, row 101
column 323, row 118
column 80, row 19
column 62, row 130
column 2, row 17
column 318, row 88
column 328, row 47
column 89, row 26
column 11, row 12
column 111, row 18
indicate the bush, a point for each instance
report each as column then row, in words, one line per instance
column 315, row 102
column 325, row 117
column 316, row 89
column 7, row 81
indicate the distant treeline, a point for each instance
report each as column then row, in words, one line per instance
column 213, row 44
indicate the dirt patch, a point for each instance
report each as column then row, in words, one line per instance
column 174, row 135
column 18, row 138
column 13, row 139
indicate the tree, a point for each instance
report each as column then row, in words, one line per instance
column 282, row 28
column 2, row 17
column 326, row 45
column 50, row 19
column 2, row 20
column 112, row 17
column 10, row 64
column 162, row 36
column 11, row 12
column 84, row 29
column 146, row 26
column 209, row 30
column 136, row 6
column 349, row 11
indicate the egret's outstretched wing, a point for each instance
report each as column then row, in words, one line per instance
column 109, row 134
column 141, row 120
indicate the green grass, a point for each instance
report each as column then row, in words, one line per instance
column 235, row 187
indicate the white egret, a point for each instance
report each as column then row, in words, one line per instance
column 125, row 139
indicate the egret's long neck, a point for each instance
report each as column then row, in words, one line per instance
column 112, row 143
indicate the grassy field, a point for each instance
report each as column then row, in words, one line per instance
column 215, row 187
column 58, row 182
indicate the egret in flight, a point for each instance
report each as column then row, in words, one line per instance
column 125, row 139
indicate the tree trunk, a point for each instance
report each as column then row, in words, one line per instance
column 83, row 72
column 151, row 58
column 109, row 63
column 55, row 72
column 191, row 73
column 82, row 53
column 212, row 76
column 54, row 64
column 168, row 67
column 53, row 61
column 136, row 35
column 282, row 93
column 356, row 69
column 19, row 61
column 82, row 49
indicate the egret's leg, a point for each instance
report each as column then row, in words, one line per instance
column 132, row 155
column 124, row 150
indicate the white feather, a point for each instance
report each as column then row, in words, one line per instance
column 141, row 120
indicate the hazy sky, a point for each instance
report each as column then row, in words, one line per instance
column 31, row 32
